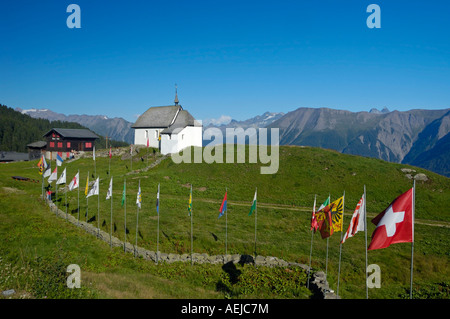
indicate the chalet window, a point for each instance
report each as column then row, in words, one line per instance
column 88, row 145
column 52, row 144
column 156, row 133
column 68, row 144
column 182, row 136
column 60, row 144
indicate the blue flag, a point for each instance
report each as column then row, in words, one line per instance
column 59, row 160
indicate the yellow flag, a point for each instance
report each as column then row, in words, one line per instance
column 41, row 166
column 337, row 213
column 190, row 204
column 87, row 185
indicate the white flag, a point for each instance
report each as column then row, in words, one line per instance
column 62, row 178
column 139, row 198
column 109, row 193
column 47, row 172
column 357, row 221
column 94, row 190
column 54, row 175
column 44, row 162
column 93, row 153
column 74, row 183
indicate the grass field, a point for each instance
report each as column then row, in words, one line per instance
column 36, row 246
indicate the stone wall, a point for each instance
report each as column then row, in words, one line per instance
column 318, row 283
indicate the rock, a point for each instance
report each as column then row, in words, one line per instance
column 407, row 170
column 9, row 292
column 421, row 177
column 235, row 258
column 163, row 256
column 408, row 176
column 260, row 260
column 173, row 258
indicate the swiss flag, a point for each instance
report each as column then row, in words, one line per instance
column 395, row 223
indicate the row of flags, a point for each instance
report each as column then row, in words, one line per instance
column 394, row 224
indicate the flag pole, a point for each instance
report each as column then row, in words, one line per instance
column 412, row 242
column 365, row 234
column 125, row 211
column 326, row 258
column 87, row 202
column 192, row 245
column 256, row 214
column 109, row 167
column 226, row 226
column 111, row 219
column 65, row 193
column 42, row 188
column 98, row 207
column 312, row 237
column 326, row 261
column 95, row 164
column 78, row 202
column 340, row 243
column 56, row 193
column 137, row 222
column 157, row 234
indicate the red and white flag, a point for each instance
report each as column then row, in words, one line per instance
column 110, row 154
column 53, row 176
column 357, row 222
column 395, row 223
column 74, row 183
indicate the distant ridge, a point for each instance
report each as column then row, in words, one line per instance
column 115, row 128
column 417, row 137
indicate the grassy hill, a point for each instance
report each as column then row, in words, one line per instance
column 31, row 232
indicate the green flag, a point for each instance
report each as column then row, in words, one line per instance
column 252, row 209
column 123, row 193
column 325, row 203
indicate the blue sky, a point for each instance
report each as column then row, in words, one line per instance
column 229, row 58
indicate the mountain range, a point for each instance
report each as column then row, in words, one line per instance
column 115, row 128
column 417, row 137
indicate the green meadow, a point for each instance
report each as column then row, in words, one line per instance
column 36, row 246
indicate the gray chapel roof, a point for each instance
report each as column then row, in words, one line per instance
column 184, row 118
column 163, row 116
column 157, row 116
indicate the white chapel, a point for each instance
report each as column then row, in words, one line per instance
column 168, row 128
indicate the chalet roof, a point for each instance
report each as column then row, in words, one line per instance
column 73, row 133
column 13, row 156
column 38, row 144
